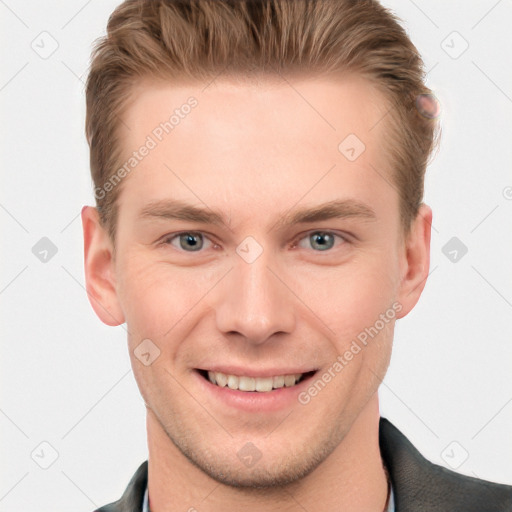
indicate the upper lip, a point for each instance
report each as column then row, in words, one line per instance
column 253, row 372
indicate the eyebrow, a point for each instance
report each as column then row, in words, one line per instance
column 175, row 209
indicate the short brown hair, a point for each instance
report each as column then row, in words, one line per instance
column 202, row 39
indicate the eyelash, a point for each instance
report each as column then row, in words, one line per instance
column 169, row 238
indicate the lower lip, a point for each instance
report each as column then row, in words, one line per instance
column 255, row 401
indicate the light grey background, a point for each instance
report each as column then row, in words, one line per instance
column 66, row 377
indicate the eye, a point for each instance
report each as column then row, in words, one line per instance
column 189, row 241
column 322, row 240
column 194, row 241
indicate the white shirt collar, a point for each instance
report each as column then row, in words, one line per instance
column 145, row 503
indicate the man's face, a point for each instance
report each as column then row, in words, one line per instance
column 256, row 294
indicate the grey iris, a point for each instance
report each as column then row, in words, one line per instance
column 322, row 240
column 191, row 238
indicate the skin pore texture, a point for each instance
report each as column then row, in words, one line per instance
column 255, row 153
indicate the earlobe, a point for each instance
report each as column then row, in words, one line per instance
column 415, row 261
column 99, row 272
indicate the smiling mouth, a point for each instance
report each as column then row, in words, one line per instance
column 260, row 384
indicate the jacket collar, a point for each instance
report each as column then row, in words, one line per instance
column 421, row 486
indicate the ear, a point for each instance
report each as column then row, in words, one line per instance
column 99, row 269
column 415, row 261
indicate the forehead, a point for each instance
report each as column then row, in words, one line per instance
column 241, row 145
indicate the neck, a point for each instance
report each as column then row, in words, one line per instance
column 351, row 479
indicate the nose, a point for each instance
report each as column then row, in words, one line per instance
column 254, row 301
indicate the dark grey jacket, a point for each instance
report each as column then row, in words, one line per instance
column 418, row 484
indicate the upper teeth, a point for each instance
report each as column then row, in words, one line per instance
column 253, row 383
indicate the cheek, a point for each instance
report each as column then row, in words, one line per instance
column 155, row 296
column 350, row 297
column 146, row 298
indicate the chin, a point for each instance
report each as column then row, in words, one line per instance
column 263, row 477
column 272, row 470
